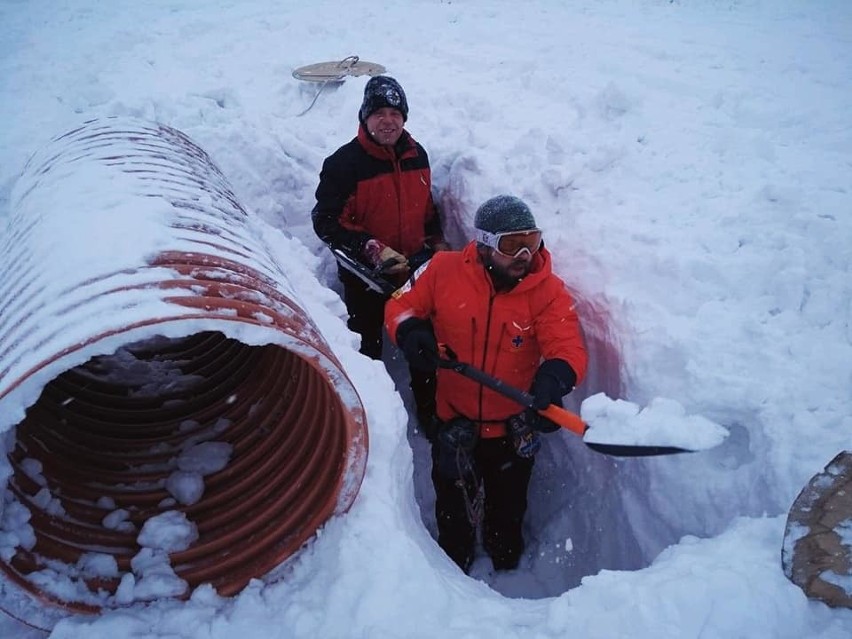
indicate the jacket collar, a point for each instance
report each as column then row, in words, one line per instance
column 541, row 268
column 403, row 147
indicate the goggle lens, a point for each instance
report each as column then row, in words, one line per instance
column 510, row 244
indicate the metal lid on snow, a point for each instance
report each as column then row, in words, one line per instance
column 337, row 70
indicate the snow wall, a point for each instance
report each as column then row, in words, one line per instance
column 169, row 370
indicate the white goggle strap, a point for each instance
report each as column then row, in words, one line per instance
column 493, row 239
column 484, row 237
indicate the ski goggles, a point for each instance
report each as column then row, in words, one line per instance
column 511, row 243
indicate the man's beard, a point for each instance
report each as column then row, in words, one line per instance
column 502, row 278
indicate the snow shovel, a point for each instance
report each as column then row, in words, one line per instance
column 558, row 415
column 372, row 277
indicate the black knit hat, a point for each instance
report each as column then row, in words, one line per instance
column 383, row 91
column 502, row 214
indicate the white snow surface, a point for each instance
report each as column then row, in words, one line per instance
column 691, row 166
column 663, row 422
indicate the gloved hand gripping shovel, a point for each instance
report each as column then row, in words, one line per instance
column 558, row 415
column 374, row 277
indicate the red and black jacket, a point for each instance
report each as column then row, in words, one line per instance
column 370, row 191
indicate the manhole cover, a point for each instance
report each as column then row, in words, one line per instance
column 337, row 70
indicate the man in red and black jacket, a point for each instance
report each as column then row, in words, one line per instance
column 374, row 202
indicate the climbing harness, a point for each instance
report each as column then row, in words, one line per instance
column 470, row 485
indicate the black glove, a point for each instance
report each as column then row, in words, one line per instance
column 553, row 380
column 417, row 341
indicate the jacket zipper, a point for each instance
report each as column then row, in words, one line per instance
column 485, row 347
column 397, row 174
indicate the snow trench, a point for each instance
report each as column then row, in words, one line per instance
column 587, row 511
column 173, row 378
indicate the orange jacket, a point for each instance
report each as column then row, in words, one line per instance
column 504, row 334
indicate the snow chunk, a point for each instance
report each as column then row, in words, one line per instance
column 187, row 488
column 48, row 503
column 205, row 458
column 118, row 520
column 170, row 531
column 15, row 529
column 32, row 468
column 97, row 564
column 663, row 422
column 156, row 578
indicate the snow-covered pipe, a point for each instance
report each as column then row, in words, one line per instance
column 172, row 415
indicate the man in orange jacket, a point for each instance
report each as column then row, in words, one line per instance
column 498, row 306
column 374, row 202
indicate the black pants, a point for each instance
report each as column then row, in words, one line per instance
column 504, row 477
column 366, row 310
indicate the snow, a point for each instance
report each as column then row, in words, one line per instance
column 689, row 164
column 663, row 422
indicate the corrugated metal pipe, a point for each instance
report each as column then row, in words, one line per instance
column 161, row 370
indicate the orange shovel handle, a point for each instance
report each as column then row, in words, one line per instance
column 558, row 415
column 565, row 418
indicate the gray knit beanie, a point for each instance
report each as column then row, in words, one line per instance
column 504, row 213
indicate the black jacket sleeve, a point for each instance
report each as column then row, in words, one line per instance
column 434, row 231
column 337, row 184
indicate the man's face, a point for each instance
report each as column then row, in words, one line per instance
column 385, row 125
column 508, row 271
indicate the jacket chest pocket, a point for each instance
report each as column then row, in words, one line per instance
column 517, row 351
column 518, row 336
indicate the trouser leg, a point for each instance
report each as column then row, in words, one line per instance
column 366, row 310
column 456, row 533
column 423, row 390
column 506, row 478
